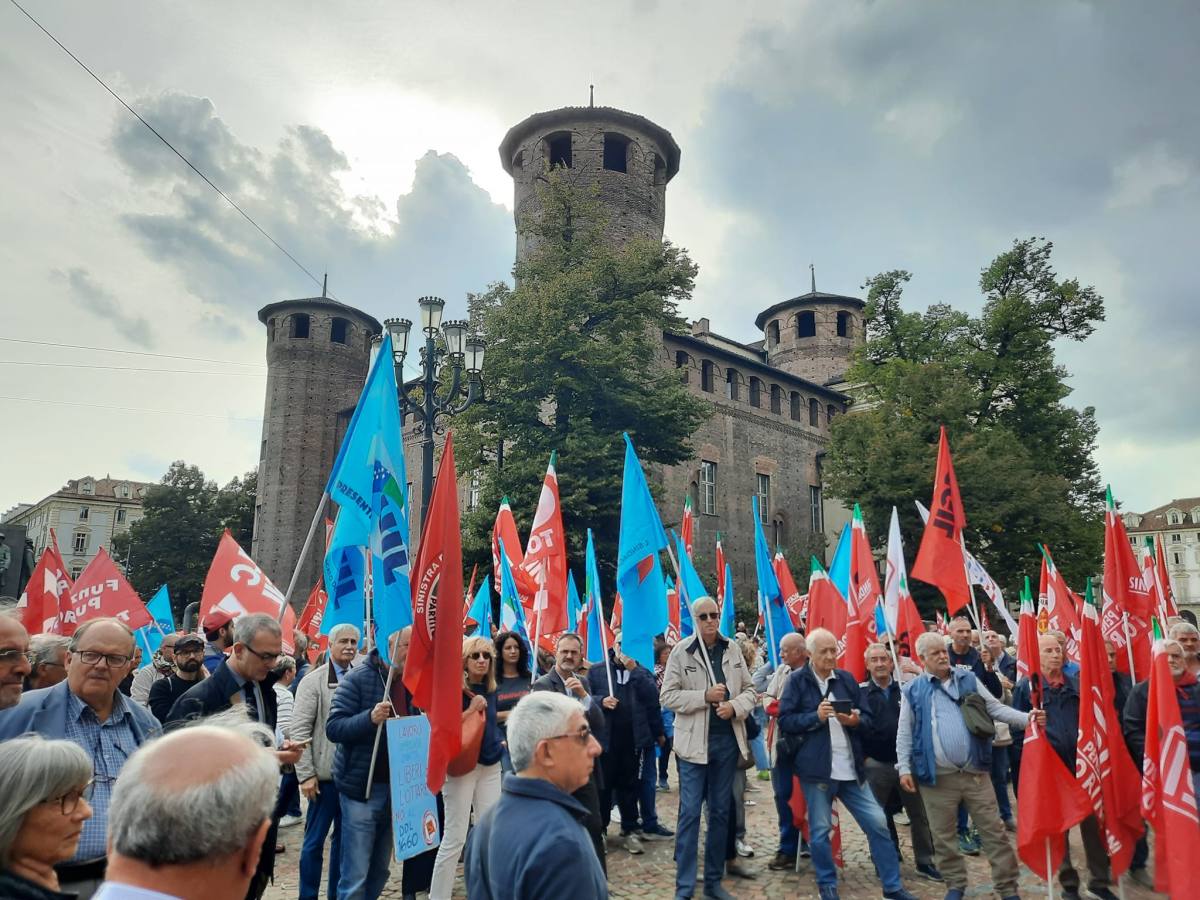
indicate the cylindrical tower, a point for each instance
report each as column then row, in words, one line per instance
column 318, row 353
column 812, row 335
column 627, row 155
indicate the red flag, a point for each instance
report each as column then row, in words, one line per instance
column 720, row 598
column 47, row 592
column 1168, row 793
column 103, row 591
column 687, row 528
column 1103, row 766
column 433, row 671
column 940, row 557
column 505, row 530
column 1165, row 591
column 1060, row 603
column 798, row 807
column 546, row 558
column 940, row 622
column 237, row 585
column 826, row 608
column 1127, row 606
column 673, row 622
column 795, row 602
column 288, row 626
column 614, row 621
column 310, row 621
column 1049, row 801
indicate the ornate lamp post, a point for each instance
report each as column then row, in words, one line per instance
column 463, row 352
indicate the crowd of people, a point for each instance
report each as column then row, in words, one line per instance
column 174, row 779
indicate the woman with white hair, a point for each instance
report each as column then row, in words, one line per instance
column 42, row 810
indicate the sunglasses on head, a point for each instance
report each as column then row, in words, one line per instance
column 704, row 617
column 480, row 654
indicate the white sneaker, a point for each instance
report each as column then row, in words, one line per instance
column 743, row 849
column 289, row 821
column 901, row 818
column 633, row 843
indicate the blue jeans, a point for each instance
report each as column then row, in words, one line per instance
column 324, row 811
column 710, row 785
column 758, row 746
column 858, row 799
column 1000, row 780
column 781, row 783
column 366, row 845
column 648, row 787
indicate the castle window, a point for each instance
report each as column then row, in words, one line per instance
column 660, row 171
column 518, row 162
column 806, row 324
column 814, row 412
column 337, row 330
column 816, row 508
column 764, row 498
column 776, row 399
column 300, row 325
column 558, row 150
column 773, row 333
column 708, row 487
column 778, row 532
column 797, row 404
column 706, row 376
column 616, row 152
column 845, row 325
column 755, row 392
column 681, row 363
column 271, row 328
column 474, row 491
column 731, row 384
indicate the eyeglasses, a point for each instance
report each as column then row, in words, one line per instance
column 480, row 654
column 12, row 656
column 114, row 660
column 69, row 801
column 704, row 617
column 583, row 735
column 265, row 657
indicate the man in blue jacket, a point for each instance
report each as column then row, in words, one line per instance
column 533, row 844
column 820, row 711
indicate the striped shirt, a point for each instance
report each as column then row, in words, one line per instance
column 109, row 744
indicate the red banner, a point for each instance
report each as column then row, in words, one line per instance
column 940, row 557
column 47, row 593
column 102, row 591
column 236, row 585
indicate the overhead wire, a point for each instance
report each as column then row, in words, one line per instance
column 223, row 362
column 136, row 409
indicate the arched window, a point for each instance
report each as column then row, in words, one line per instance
column 706, row 376
column 755, row 391
column 845, row 325
column 731, row 384
column 773, row 333
column 338, row 329
column 814, row 412
column 616, row 152
column 300, row 324
column 518, row 162
column 558, row 150
column 776, row 399
column 660, row 171
column 806, row 324
column 797, row 404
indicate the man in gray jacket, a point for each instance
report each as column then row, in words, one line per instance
column 315, row 768
column 707, row 685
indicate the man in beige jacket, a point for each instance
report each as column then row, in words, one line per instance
column 315, row 768
column 707, row 685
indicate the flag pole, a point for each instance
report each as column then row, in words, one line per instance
column 387, row 693
column 891, row 642
column 312, row 529
column 369, row 602
column 604, row 645
column 1128, row 645
column 962, row 543
column 539, row 601
column 1049, row 874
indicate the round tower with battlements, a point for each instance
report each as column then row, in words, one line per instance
column 318, row 353
column 627, row 156
column 812, row 335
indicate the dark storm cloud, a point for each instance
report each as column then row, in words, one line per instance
column 88, row 294
column 448, row 238
column 928, row 136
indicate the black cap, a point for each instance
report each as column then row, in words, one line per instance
column 189, row 640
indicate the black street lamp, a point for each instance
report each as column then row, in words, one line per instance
column 462, row 351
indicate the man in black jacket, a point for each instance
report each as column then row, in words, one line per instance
column 188, row 668
column 246, row 678
column 963, row 654
column 1060, row 699
column 563, row 679
column 881, row 703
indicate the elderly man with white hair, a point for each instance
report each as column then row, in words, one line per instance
column 951, row 760
column 314, row 697
column 195, row 830
column 533, row 843
column 1188, row 637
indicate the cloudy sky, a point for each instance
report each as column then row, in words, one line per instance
column 362, row 136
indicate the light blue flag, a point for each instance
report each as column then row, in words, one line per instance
column 150, row 637
column 639, row 572
column 574, row 606
column 512, row 616
column 481, row 609
column 691, row 588
column 345, row 580
column 391, row 601
column 728, row 615
column 839, row 569
column 776, row 620
column 593, row 606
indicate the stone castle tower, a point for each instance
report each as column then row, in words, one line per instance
column 812, row 335
column 318, row 351
column 629, row 157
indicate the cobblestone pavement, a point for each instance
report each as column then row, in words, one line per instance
column 651, row 875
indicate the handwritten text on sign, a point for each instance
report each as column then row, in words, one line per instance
column 414, row 809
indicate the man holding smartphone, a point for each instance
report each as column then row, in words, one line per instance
column 820, row 713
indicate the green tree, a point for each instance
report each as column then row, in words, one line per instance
column 1022, row 455
column 183, row 519
column 575, row 359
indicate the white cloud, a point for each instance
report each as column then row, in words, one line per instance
column 1139, row 178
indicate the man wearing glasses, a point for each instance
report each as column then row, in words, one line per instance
column 88, row 709
column 534, row 842
column 14, row 659
column 188, row 659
